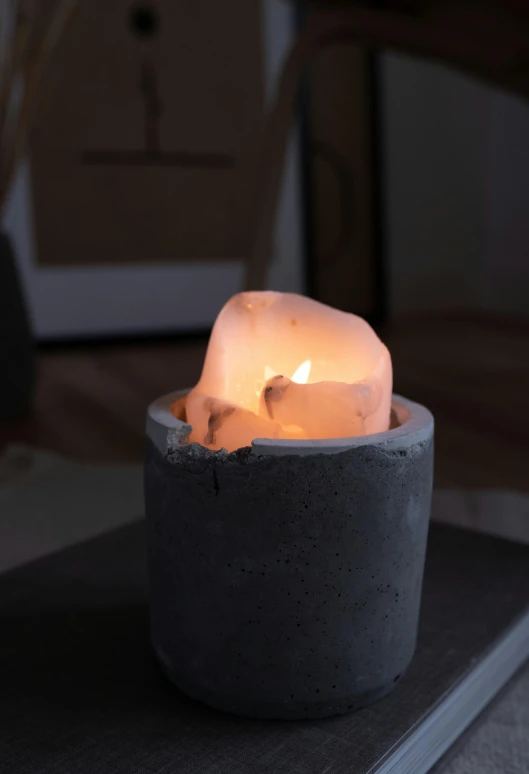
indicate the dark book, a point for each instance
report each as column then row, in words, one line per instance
column 80, row 690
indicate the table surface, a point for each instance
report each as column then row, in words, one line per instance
column 89, row 697
column 473, row 375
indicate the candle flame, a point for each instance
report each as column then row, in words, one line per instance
column 302, row 373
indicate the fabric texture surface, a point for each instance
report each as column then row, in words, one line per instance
column 498, row 741
column 48, row 502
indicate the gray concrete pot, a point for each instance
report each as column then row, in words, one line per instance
column 285, row 578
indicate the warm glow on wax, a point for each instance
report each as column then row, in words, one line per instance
column 280, row 365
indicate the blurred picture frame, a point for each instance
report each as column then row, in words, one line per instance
column 77, row 289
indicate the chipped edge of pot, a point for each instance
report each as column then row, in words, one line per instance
column 169, row 434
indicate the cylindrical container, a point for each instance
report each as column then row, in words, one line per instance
column 285, row 578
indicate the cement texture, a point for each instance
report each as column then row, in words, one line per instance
column 288, row 586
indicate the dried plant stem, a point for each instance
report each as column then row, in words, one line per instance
column 33, row 68
column 15, row 58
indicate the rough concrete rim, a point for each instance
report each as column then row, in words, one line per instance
column 416, row 425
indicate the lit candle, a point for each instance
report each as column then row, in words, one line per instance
column 280, row 365
column 328, row 499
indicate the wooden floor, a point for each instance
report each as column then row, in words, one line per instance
column 474, row 376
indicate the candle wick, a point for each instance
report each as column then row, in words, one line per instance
column 272, row 393
column 216, row 418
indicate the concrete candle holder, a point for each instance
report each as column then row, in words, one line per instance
column 285, row 578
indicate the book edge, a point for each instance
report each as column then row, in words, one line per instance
column 460, row 706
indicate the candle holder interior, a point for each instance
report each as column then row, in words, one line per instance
column 399, row 413
column 167, row 421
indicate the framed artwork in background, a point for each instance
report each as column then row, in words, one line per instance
column 130, row 215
